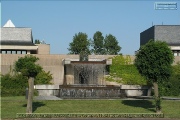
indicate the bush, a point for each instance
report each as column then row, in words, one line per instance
column 15, row 85
column 43, row 78
column 172, row 87
column 123, row 71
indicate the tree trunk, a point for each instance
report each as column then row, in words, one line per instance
column 157, row 98
column 30, row 95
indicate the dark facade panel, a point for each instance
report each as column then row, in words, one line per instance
column 146, row 35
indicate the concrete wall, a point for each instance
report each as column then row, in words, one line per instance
column 47, row 90
column 52, row 63
column 43, row 48
column 127, row 90
column 176, row 60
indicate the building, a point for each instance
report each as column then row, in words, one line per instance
column 167, row 33
column 19, row 40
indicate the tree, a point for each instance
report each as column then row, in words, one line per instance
column 111, row 45
column 27, row 67
column 37, row 41
column 154, row 61
column 98, row 43
column 80, row 44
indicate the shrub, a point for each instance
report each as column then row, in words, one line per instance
column 43, row 78
column 13, row 85
column 16, row 84
column 172, row 87
column 126, row 73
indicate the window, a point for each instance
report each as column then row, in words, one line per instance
column 18, row 52
column 23, row 52
column 8, row 52
column 3, row 52
column 175, row 54
column 13, row 52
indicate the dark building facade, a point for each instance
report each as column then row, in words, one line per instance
column 168, row 33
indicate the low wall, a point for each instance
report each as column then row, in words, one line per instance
column 47, row 90
column 135, row 90
column 91, row 92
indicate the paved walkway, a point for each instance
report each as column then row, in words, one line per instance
column 47, row 98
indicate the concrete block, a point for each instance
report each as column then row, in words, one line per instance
column 46, row 87
column 108, row 61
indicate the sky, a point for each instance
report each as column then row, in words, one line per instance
column 57, row 21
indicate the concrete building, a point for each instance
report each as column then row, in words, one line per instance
column 167, row 33
column 19, row 40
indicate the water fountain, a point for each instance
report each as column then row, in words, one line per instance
column 87, row 80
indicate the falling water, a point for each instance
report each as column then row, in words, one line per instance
column 88, row 74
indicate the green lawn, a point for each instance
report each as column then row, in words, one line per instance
column 12, row 105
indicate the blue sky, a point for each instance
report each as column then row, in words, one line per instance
column 56, row 22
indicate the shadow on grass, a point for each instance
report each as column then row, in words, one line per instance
column 35, row 105
column 146, row 104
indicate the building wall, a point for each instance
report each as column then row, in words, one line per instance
column 52, row 63
column 176, row 60
column 146, row 35
column 43, row 48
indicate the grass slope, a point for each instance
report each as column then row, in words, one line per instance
column 12, row 105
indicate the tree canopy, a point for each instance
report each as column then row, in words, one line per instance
column 154, row 60
column 27, row 67
column 37, row 41
column 111, row 45
column 98, row 43
column 79, row 44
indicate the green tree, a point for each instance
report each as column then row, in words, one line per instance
column 27, row 67
column 111, row 45
column 154, row 61
column 80, row 44
column 37, row 41
column 98, row 43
